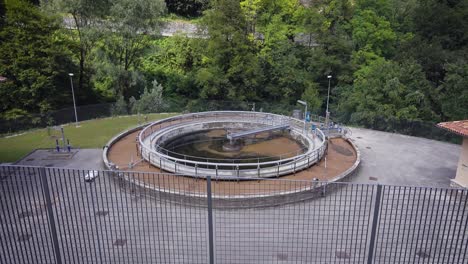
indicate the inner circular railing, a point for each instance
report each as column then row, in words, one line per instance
column 152, row 136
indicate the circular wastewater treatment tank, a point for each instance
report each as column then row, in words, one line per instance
column 231, row 145
column 252, row 158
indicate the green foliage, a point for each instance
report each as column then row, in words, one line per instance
column 443, row 22
column 311, row 96
column 337, row 14
column 2, row 13
column 14, row 113
column 126, row 40
column 120, row 107
column 34, row 59
column 173, row 61
column 389, row 90
column 84, row 17
column 454, row 91
column 151, row 100
column 391, row 60
column 229, row 68
column 187, row 8
column 371, row 32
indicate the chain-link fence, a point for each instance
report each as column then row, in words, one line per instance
column 52, row 215
column 412, row 128
column 67, row 115
column 88, row 112
column 59, row 117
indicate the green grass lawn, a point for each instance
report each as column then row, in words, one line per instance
column 90, row 134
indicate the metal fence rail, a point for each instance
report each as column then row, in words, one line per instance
column 153, row 135
column 51, row 215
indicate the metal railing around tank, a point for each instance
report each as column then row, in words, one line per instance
column 229, row 169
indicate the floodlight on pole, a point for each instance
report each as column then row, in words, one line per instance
column 305, row 112
column 327, row 113
column 73, row 95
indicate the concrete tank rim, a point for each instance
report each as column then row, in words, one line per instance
column 112, row 168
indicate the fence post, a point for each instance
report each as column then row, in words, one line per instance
column 50, row 214
column 210, row 219
column 378, row 198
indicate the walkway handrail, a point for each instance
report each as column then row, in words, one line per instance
column 164, row 150
column 314, row 154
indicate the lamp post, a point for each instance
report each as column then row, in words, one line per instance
column 73, row 95
column 253, row 106
column 305, row 112
column 327, row 113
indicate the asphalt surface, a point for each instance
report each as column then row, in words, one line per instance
column 395, row 159
column 110, row 221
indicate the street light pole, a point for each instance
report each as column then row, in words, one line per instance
column 305, row 112
column 73, row 95
column 327, row 113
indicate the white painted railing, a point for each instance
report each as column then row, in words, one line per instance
column 229, row 169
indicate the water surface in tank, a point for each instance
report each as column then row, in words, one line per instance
column 209, row 145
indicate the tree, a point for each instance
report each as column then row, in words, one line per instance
column 130, row 22
column 151, row 100
column 35, row 60
column 398, row 12
column 440, row 29
column 87, row 19
column 333, row 55
column 2, row 13
column 174, row 62
column 454, row 91
column 311, row 96
column 387, row 89
column 250, row 10
column 229, row 68
column 338, row 14
column 187, row 8
column 120, row 107
column 309, row 21
column 442, row 22
column 372, row 32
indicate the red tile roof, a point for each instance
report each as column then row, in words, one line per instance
column 457, row 127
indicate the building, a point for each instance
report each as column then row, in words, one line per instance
column 460, row 128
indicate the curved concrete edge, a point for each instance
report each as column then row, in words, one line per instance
column 236, row 201
column 353, row 168
column 107, row 164
column 200, row 200
column 313, row 191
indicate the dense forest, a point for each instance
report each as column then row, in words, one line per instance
column 389, row 59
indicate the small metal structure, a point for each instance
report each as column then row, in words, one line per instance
column 242, row 134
